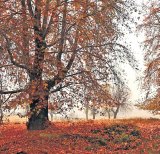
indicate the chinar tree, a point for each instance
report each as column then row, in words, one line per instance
column 151, row 28
column 48, row 45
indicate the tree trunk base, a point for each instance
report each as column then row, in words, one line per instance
column 37, row 124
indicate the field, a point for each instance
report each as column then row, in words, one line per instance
column 133, row 136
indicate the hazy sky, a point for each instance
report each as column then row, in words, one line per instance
column 135, row 77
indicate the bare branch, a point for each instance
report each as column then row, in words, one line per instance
column 74, row 52
column 11, row 56
column 7, row 99
column 61, row 44
column 45, row 15
column 5, row 66
column 45, row 31
column 60, row 87
column 70, row 75
column 30, row 8
column 12, row 91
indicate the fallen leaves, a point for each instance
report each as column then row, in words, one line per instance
column 99, row 137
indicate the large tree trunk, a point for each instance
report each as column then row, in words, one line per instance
column 38, row 119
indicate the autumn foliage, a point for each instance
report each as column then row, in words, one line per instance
column 151, row 29
column 59, row 48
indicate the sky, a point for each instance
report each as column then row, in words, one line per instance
column 134, row 77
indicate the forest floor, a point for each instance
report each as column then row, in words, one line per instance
column 131, row 136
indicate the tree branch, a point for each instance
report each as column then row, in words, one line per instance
column 12, row 91
column 30, row 8
column 6, row 99
column 62, row 40
column 74, row 52
column 45, row 31
column 11, row 56
column 44, row 24
column 5, row 66
column 60, row 87
column 70, row 75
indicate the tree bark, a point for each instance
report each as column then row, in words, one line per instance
column 1, row 115
column 38, row 119
column 87, row 110
column 94, row 113
column 94, row 116
column 109, row 114
column 116, row 112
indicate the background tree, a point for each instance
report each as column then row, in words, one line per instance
column 118, row 100
column 48, row 44
column 151, row 27
column 99, row 99
column 121, row 96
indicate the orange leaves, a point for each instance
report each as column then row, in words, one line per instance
column 53, row 106
column 82, row 137
column 52, row 37
column 37, row 86
column 152, row 105
column 77, row 5
column 45, row 85
column 152, row 32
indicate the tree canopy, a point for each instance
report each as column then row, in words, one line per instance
column 151, row 27
column 48, row 46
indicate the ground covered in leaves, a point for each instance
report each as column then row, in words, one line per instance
column 134, row 136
